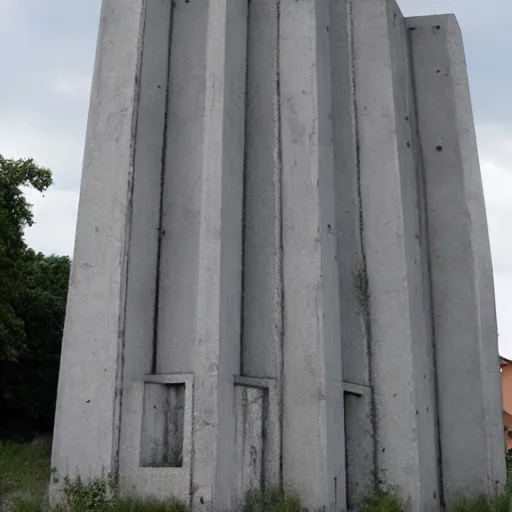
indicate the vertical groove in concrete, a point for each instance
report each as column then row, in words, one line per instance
column 262, row 281
column 181, row 196
column 161, row 196
column 143, row 250
column 262, row 312
column 360, row 416
column 278, row 211
column 460, row 260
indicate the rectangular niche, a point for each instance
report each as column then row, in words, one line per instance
column 257, row 447
column 163, row 423
column 359, row 443
column 249, row 450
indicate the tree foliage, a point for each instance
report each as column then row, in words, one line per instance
column 33, row 291
column 15, row 215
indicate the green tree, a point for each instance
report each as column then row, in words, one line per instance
column 15, row 215
column 30, row 382
column 33, row 292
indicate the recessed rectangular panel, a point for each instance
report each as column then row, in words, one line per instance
column 250, row 412
column 162, row 425
column 359, row 446
column 181, row 194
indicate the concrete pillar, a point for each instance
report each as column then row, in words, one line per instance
column 394, row 281
column 313, row 429
column 89, row 393
column 470, row 417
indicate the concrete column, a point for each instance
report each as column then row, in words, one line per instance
column 87, row 417
column 216, row 351
column 470, row 410
column 313, row 430
column 393, row 282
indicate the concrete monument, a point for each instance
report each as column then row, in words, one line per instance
column 282, row 271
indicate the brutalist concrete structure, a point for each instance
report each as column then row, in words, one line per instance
column 282, row 271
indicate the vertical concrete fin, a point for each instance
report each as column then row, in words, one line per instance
column 216, row 355
column 85, row 437
column 142, row 289
column 401, row 362
column 460, row 263
column 313, row 444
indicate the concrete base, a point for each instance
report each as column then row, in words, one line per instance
column 282, row 272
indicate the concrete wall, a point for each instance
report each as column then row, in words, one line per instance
column 282, row 271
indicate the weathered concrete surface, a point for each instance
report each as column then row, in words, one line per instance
column 262, row 284
column 217, row 346
column 249, row 444
column 162, row 480
column 460, row 264
column 404, row 401
column 281, row 243
column 313, row 431
column 87, row 417
column 358, row 414
column 139, row 344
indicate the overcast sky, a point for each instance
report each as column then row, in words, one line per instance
column 47, row 53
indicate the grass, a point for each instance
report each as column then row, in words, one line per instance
column 274, row 500
column 148, row 506
column 382, row 501
column 25, row 473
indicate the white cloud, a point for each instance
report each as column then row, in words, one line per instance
column 55, row 221
column 495, row 146
column 55, row 211
column 61, row 152
column 74, row 87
